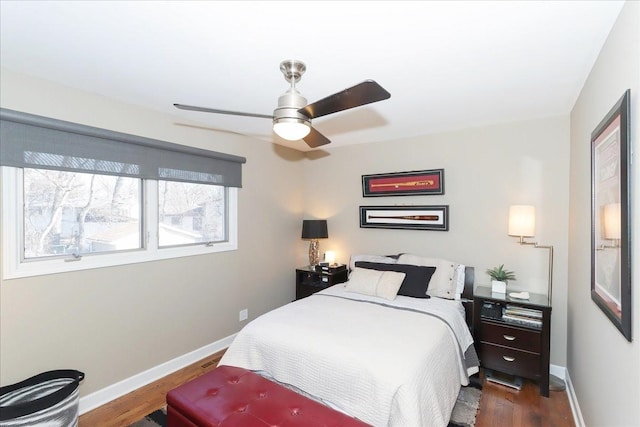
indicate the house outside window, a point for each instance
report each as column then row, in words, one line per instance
column 190, row 213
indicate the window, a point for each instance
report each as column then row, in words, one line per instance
column 99, row 198
column 190, row 213
column 78, row 213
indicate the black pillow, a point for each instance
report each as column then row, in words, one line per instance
column 416, row 278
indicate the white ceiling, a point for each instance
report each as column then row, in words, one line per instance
column 448, row 65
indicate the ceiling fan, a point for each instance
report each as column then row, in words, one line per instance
column 292, row 117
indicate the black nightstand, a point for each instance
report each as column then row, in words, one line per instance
column 509, row 336
column 309, row 281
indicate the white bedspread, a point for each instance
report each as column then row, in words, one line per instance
column 385, row 366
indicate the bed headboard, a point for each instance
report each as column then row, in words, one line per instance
column 467, row 294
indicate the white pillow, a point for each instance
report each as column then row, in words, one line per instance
column 370, row 258
column 384, row 284
column 443, row 283
column 459, row 279
column 389, row 284
column 363, row 281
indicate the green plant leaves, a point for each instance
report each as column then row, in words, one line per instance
column 500, row 274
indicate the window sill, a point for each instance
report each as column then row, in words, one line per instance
column 88, row 262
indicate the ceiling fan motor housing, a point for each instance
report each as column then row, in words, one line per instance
column 288, row 105
column 291, row 101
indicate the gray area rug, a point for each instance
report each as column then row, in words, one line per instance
column 154, row 419
column 466, row 408
column 464, row 412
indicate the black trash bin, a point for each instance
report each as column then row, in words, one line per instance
column 50, row 398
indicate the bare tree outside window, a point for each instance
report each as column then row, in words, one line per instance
column 78, row 213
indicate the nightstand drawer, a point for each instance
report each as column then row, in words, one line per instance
column 309, row 280
column 510, row 361
column 509, row 336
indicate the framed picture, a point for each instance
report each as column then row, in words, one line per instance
column 405, row 217
column 403, row 183
column 610, row 219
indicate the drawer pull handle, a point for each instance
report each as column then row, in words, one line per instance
column 509, row 359
column 509, row 337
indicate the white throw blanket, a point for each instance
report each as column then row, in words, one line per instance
column 383, row 365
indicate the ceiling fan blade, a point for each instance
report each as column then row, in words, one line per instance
column 361, row 94
column 213, row 110
column 315, row 139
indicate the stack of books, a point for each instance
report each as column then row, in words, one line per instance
column 522, row 316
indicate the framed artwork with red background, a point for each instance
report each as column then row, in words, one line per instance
column 414, row 183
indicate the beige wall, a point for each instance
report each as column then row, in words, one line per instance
column 604, row 367
column 116, row 322
column 486, row 170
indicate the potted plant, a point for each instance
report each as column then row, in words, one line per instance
column 499, row 278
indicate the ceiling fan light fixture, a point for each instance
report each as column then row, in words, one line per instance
column 292, row 117
column 292, row 129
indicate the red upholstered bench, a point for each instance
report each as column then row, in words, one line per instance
column 235, row 397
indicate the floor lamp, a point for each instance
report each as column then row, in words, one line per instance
column 522, row 224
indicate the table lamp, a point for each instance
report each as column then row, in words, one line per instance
column 314, row 229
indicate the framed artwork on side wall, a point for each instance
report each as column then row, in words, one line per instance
column 610, row 219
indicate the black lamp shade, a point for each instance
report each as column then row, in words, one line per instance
column 314, row 229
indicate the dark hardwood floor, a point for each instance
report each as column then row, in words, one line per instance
column 505, row 406
column 499, row 405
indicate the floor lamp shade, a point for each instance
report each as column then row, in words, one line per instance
column 314, row 229
column 522, row 220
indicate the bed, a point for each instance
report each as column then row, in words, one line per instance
column 383, row 357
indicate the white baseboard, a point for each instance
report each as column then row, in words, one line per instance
column 558, row 371
column 573, row 402
column 563, row 373
column 107, row 394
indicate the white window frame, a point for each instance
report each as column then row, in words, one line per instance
column 14, row 267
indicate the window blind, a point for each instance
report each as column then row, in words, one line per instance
column 31, row 141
